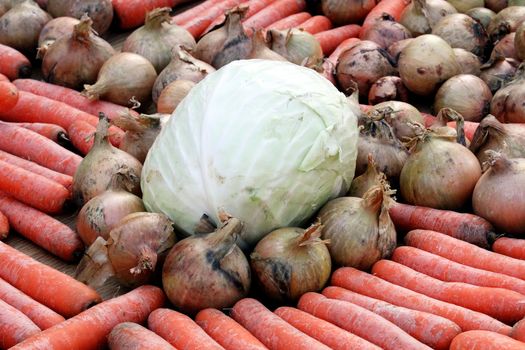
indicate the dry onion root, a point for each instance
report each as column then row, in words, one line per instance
column 297, row 46
column 507, row 103
column 420, row 16
column 53, row 30
column 100, row 11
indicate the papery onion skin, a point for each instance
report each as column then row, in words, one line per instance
column 498, row 72
column 400, row 117
column 260, row 49
column 505, row 47
column 396, row 48
column 420, row 16
column 506, row 21
column 462, row 31
column 172, row 95
column 53, row 30
column 519, row 42
column 507, row 103
column 385, row 31
column 100, row 11
column 346, row 11
column 482, row 15
column 468, row 62
column 370, row 178
column 387, row 89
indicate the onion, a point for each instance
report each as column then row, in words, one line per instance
column 400, row 115
column 507, row 139
column 227, row 43
column 123, row 77
column 516, row 2
column 182, row 66
column 386, row 89
column 346, row 11
column 496, row 5
column 440, row 173
column 482, row 15
column 21, row 26
column 519, row 42
column 53, row 30
column 468, row 62
column 157, row 37
column 95, row 173
column 505, row 47
column 506, row 21
column 297, row 46
column 370, row 178
column 260, row 49
column 395, row 49
column 465, row 5
column 291, row 261
column 364, row 63
column 385, row 31
column 100, row 11
column 462, row 31
column 172, row 95
column 497, row 72
column 425, row 63
column 359, row 229
column 207, row 271
column 420, row 16
column 466, row 94
column 75, row 59
column 507, row 104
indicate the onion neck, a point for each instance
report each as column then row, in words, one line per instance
column 147, row 261
column 498, row 162
column 233, row 21
column 156, row 17
column 101, row 134
column 373, row 199
column 312, row 235
column 83, row 30
column 223, row 240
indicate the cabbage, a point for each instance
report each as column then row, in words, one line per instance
column 268, row 142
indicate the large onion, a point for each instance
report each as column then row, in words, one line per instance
column 420, row 16
column 468, row 62
column 465, row 5
column 497, row 72
column 100, row 11
column 173, row 94
column 297, row 46
column 519, row 42
column 346, row 11
column 291, row 261
column 359, row 229
column 506, row 21
column 499, row 195
column 505, row 47
column 385, row 31
column 400, row 115
column 507, row 103
column 462, row 31
column 482, row 15
column 387, row 88
column 53, row 30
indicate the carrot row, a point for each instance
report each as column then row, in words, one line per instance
column 4, row 226
column 316, row 24
column 332, row 38
column 13, row 63
column 290, row 21
column 15, row 327
column 272, row 13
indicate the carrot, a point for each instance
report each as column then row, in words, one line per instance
column 325, row 332
column 53, row 132
column 290, row 21
column 502, row 304
column 180, row 330
column 272, row 13
column 13, row 64
column 4, row 226
column 465, row 253
column 30, row 145
column 392, row 7
column 199, row 23
column 359, row 321
column 484, row 340
column 4, row 78
column 56, row 290
column 450, row 271
column 464, row 226
column 375, row 287
column 332, row 38
column 14, row 326
column 518, row 331
column 270, row 329
column 468, row 126
column 42, row 316
column 194, row 11
column 89, row 329
column 435, row 331
column 512, row 247
column 225, row 331
column 132, row 336
column 331, row 62
column 131, row 13
column 8, row 95
column 82, row 136
column 316, row 24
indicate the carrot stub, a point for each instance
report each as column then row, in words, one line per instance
column 13, row 64
column 4, row 226
column 513, row 247
column 53, row 132
column 14, row 326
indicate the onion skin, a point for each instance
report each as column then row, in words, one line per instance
column 496, row 5
column 342, row 12
column 53, row 30
column 172, row 95
column 506, row 21
column 297, row 46
column 420, row 16
column 505, row 47
column 482, row 15
column 387, row 89
column 260, row 49
column 400, row 116
column 369, row 179
column 462, row 31
column 507, row 103
column 395, row 49
column 466, row 5
column 100, row 11
column 468, row 62
column 497, row 72
column 385, row 31
column 519, row 42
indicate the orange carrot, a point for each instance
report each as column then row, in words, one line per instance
column 200, row 22
column 56, row 290
column 331, row 62
column 225, row 331
column 180, row 331
column 45, row 231
column 3, row 78
column 359, row 321
column 512, row 247
column 435, row 331
column 8, row 95
column 4, row 226
column 14, row 326
column 464, row 226
column 131, row 13
column 30, row 145
column 13, row 64
column 82, row 136
column 392, row 7
column 194, row 11
column 502, row 304
column 89, row 329
column 42, row 316
column 465, row 253
column 332, row 38
column 132, row 336
column 325, row 332
column 53, row 132
column 451, row 271
column 272, row 13
column 484, row 340
column 468, row 126
column 270, row 329
column 316, row 24
column 518, row 331
column 375, row 287
column 290, row 21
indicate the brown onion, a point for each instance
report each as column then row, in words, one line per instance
column 125, row 76
column 505, row 47
column 519, row 42
column 395, row 49
column 400, row 115
column 466, row 94
column 95, row 173
column 21, row 26
column 53, row 30
column 260, row 49
column 387, row 89
column 507, row 104
column 346, row 11
column 297, row 46
column 507, row 139
column 157, row 37
column 364, row 63
column 462, row 31
column 465, row 5
column 359, row 229
column 76, row 58
column 482, row 15
column 420, row 16
column 497, row 72
column 100, row 11
column 506, row 21
column 182, row 66
column 496, row 5
column 210, row 270
column 172, row 95
column 385, row 31
column 291, row 261
column 370, row 178
column 468, row 62
column 425, row 63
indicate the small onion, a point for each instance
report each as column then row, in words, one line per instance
column 425, row 63
column 346, row 11
column 499, row 195
column 53, row 30
column 519, row 42
column 123, row 77
column 482, row 15
column 291, row 261
column 505, row 47
column 297, row 46
column 100, row 11
column 462, row 31
column 370, row 178
column 172, row 95
column 465, row 5
column 420, row 16
column 207, row 271
column 496, row 5
column 507, row 104
column 385, row 31
column 260, row 49
column 497, row 72
column 468, row 62
column 400, row 115
column 396, row 48
column 506, row 21
column 157, row 37
column 387, row 89
column 359, row 229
